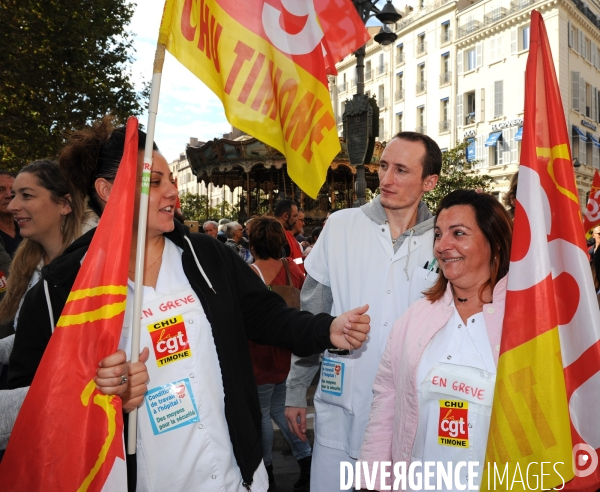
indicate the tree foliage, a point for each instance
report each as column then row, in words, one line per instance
column 62, row 65
column 195, row 207
column 456, row 174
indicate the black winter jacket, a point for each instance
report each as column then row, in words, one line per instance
column 241, row 309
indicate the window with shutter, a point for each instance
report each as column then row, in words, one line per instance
column 575, row 91
column 593, row 103
column 459, row 63
column 479, row 48
column 482, row 104
column 459, row 110
column 478, row 152
column 582, row 152
column 582, row 95
column 570, row 34
column 498, row 89
column 514, row 40
column 593, row 53
column 581, row 44
column 492, row 49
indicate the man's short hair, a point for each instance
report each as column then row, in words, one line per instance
column 230, row 229
column 6, row 173
column 224, row 221
column 432, row 162
column 283, row 207
column 210, row 222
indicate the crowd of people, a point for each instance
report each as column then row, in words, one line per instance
column 384, row 300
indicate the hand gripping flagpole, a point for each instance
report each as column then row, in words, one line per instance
column 159, row 59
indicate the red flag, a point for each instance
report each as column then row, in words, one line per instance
column 546, row 400
column 268, row 60
column 592, row 213
column 69, row 436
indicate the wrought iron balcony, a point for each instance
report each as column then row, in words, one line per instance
column 399, row 95
column 421, row 87
column 400, row 58
column 368, row 74
column 445, row 78
column 381, row 69
column 469, row 27
column 421, row 48
column 421, row 129
column 444, row 126
column 445, row 37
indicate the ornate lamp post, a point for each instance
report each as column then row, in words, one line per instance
column 361, row 114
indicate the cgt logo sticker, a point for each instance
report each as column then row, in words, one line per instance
column 169, row 340
column 454, row 423
column 585, row 460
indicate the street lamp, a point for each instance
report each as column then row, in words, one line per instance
column 387, row 15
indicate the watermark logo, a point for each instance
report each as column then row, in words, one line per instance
column 585, row 460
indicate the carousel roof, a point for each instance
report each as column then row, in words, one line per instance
column 221, row 155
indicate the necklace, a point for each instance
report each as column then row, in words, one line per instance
column 148, row 267
column 463, row 300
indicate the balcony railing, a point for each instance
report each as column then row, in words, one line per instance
column 399, row 95
column 470, row 118
column 352, row 82
column 444, row 126
column 421, row 48
column 368, row 74
column 517, row 5
column 381, row 69
column 400, row 58
column 343, row 87
column 421, row 129
column 382, row 102
column 495, row 15
column 469, row 27
column 445, row 37
column 445, row 78
column 421, row 87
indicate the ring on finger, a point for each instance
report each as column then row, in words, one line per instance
column 123, row 379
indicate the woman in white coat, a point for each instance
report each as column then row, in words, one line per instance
column 434, row 387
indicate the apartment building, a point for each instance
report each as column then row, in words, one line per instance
column 457, row 72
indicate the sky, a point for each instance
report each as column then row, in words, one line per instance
column 187, row 108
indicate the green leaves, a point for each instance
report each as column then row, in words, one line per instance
column 62, row 66
column 456, row 175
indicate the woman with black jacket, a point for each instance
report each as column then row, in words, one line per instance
column 200, row 415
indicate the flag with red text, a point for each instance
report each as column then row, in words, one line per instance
column 591, row 217
column 68, row 435
column 545, row 406
column 268, row 60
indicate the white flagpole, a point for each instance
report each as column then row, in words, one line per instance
column 159, row 59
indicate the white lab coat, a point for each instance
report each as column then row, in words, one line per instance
column 355, row 258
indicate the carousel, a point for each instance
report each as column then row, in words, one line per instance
column 261, row 173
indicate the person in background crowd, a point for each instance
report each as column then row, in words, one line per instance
column 221, row 230
column 235, row 233
column 271, row 364
column 454, row 332
column 286, row 212
column 510, row 199
column 298, row 228
column 314, row 235
column 595, row 258
column 5, row 261
column 382, row 254
column 210, row 227
column 9, row 229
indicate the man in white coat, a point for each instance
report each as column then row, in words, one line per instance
column 382, row 255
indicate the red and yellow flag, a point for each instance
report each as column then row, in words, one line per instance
column 548, row 381
column 267, row 60
column 592, row 212
column 69, row 436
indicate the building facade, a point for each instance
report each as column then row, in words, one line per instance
column 457, row 72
